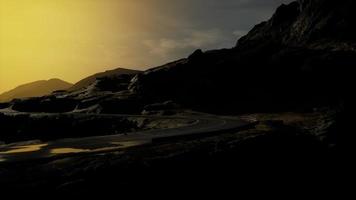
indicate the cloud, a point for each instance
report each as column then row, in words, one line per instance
column 194, row 39
column 239, row 33
column 205, row 24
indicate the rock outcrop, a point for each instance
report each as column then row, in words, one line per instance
column 316, row 24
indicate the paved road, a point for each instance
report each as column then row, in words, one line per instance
column 203, row 125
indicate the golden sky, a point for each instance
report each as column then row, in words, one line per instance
column 72, row 39
column 67, row 39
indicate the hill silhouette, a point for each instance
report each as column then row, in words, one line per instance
column 35, row 89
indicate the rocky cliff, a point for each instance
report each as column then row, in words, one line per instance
column 317, row 24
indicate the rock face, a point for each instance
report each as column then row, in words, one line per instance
column 316, row 24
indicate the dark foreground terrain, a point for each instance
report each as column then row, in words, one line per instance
column 284, row 143
column 284, row 150
column 291, row 77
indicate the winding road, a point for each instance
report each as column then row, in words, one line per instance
column 203, row 125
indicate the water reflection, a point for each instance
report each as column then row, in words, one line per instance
column 76, row 150
column 23, row 149
column 130, row 143
column 68, row 150
column 117, row 146
column 40, row 150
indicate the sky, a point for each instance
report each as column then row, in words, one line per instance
column 72, row 39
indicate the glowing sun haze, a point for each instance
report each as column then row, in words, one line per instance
column 71, row 39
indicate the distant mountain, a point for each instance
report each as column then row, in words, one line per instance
column 35, row 89
column 91, row 79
